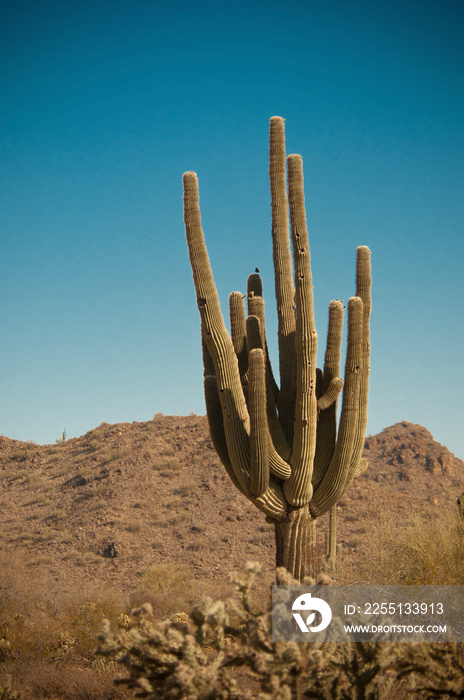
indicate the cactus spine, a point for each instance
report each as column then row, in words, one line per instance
column 281, row 445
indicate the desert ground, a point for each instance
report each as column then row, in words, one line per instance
column 136, row 512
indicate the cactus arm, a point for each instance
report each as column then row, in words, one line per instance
column 298, row 489
column 361, row 467
column 332, row 553
column 333, row 482
column 278, row 466
column 318, row 384
column 327, row 424
column 355, row 470
column 277, row 461
column 238, row 333
column 219, row 344
column 330, row 396
column 284, row 289
column 256, row 308
column 236, row 420
column 216, row 427
column 334, row 341
column 363, row 290
column 208, row 364
column 272, row 502
column 254, row 286
column 259, row 449
column 271, row 499
column 254, row 340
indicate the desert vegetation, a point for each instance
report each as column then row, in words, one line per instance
column 175, row 638
column 84, row 538
column 224, row 649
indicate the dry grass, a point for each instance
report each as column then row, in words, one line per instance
column 48, row 635
column 428, row 551
column 435, row 550
column 169, row 588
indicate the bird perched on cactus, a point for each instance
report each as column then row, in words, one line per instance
column 281, row 443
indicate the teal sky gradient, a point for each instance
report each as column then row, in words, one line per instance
column 106, row 104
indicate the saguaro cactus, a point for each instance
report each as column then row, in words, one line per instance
column 280, row 445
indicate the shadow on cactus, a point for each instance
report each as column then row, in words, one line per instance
column 280, row 444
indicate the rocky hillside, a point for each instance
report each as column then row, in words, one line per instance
column 407, row 457
column 105, row 506
column 405, row 451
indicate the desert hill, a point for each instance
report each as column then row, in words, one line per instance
column 103, row 507
column 407, row 450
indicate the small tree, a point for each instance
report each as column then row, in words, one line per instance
column 280, row 445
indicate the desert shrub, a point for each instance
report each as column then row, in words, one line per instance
column 165, row 577
column 115, row 454
column 170, row 465
column 82, row 622
column 224, row 651
column 385, row 561
column 174, row 503
column 434, row 550
column 94, row 445
column 188, row 488
column 168, row 587
column 177, row 518
column 424, row 550
column 140, row 504
column 432, row 670
column 19, row 455
column 48, row 636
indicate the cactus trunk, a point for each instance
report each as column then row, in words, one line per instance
column 280, row 444
column 296, row 545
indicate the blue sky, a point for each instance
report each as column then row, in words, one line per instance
column 106, row 104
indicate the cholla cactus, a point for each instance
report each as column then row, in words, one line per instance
column 226, row 652
column 280, row 445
